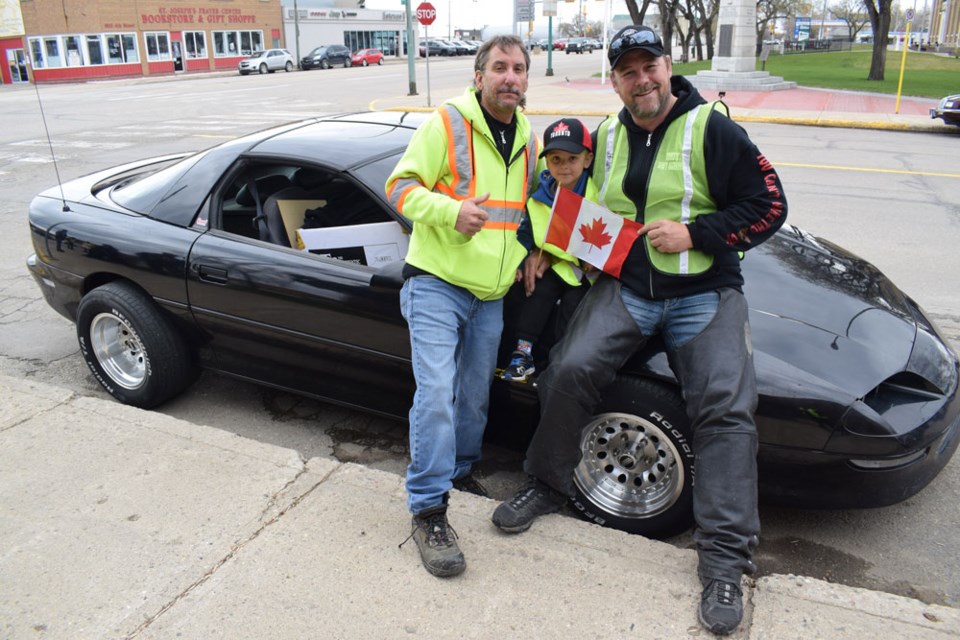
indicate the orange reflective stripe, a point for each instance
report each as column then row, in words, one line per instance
column 497, row 226
column 504, row 204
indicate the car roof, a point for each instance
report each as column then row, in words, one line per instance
column 371, row 135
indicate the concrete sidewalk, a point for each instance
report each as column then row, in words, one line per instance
column 122, row 523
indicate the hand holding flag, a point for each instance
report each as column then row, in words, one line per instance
column 591, row 232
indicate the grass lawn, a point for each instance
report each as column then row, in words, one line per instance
column 926, row 75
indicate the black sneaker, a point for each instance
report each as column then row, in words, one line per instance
column 721, row 607
column 470, row 484
column 520, row 367
column 534, row 499
column 437, row 542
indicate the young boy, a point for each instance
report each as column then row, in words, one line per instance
column 568, row 151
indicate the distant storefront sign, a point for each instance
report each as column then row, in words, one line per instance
column 801, row 30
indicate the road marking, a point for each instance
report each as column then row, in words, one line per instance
column 906, row 172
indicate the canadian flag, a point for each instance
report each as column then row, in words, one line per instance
column 590, row 232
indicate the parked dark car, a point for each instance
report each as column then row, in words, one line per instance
column 437, row 48
column 327, row 56
column 579, row 45
column 193, row 261
column 948, row 110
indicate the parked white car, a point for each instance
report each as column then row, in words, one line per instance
column 267, row 61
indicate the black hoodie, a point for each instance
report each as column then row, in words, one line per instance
column 751, row 204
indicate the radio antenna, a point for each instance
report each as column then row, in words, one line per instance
column 46, row 130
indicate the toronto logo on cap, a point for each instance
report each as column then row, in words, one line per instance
column 560, row 130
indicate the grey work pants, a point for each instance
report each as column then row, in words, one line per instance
column 716, row 374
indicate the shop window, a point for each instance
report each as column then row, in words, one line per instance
column 195, row 44
column 36, row 53
column 94, row 50
column 236, row 43
column 51, row 50
column 130, row 48
column 73, row 51
column 158, row 46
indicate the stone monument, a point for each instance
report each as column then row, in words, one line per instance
column 735, row 60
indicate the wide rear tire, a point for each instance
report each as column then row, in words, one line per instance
column 636, row 473
column 132, row 348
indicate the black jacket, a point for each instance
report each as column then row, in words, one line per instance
column 751, row 204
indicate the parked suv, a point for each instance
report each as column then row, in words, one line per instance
column 579, row 45
column 267, row 61
column 326, row 56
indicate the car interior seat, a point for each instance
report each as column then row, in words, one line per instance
column 306, row 185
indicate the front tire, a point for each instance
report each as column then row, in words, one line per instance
column 380, row 62
column 132, row 348
column 636, row 473
column 365, row 63
column 288, row 67
column 324, row 64
column 263, row 68
column 347, row 63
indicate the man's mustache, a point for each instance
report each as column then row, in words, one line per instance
column 512, row 90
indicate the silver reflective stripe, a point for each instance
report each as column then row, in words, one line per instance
column 532, row 159
column 608, row 161
column 686, row 151
column 399, row 188
column 502, row 214
column 461, row 149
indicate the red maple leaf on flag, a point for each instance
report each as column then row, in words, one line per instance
column 596, row 234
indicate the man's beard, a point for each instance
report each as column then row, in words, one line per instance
column 641, row 113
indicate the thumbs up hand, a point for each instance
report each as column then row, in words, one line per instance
column 471, row 217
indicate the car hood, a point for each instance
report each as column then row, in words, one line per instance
column 837, row 317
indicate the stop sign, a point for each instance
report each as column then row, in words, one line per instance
column 426, row 14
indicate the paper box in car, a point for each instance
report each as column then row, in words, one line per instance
column 374, row 244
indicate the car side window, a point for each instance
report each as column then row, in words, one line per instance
column 310, row 209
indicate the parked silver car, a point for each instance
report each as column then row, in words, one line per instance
column 267, row 61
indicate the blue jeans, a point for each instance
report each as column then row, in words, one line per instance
column 680, row 320
column 454, row 337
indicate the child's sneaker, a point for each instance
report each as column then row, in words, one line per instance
column 520, row 367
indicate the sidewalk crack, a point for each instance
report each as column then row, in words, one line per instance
column 237, row 547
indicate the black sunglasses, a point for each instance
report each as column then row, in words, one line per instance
column 638, row 38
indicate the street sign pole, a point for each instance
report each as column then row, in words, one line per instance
column 426, row 51
column 426, row 14
column 411, row 51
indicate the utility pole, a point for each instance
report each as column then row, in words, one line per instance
column 296, row 30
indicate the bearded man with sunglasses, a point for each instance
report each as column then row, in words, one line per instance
column 704, row 194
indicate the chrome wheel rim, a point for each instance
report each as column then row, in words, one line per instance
column 118, row 349
column 629, row 468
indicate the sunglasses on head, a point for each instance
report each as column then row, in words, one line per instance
column 634, row 39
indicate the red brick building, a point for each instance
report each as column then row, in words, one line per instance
column 69, row 40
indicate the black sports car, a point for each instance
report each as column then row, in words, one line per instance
column 276, row 258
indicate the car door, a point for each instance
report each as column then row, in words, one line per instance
column 316, row 323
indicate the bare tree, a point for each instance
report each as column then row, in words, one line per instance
column 854, row 13
column 770, row 11
column 637, row 13
column 879, row 12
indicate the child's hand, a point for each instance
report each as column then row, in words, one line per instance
column 534, row 267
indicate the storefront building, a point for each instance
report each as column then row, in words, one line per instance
column 343, row 22
column 73, row 40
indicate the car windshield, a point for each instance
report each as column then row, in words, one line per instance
column 318, row 51
column 258, row 54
